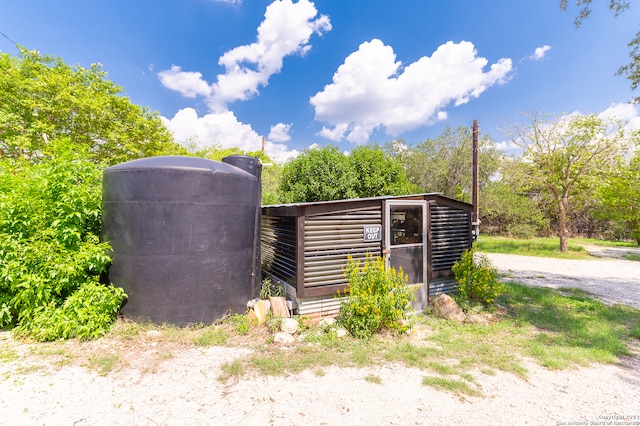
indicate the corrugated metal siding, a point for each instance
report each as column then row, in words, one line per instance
column 318, row 307
column 449, row 236
column 330, row 239
column 442, row 286
column 278, row 248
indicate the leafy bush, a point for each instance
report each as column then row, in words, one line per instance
column 377, row 298
column 477, row 277
column 50, row 252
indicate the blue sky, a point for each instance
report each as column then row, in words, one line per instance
column 338, row 72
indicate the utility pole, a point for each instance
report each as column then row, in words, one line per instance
column 475, row 218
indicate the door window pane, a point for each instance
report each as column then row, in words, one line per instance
column 406, row 225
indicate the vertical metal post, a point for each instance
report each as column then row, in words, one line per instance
column 475, row 220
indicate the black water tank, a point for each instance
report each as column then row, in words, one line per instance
column 182, row 230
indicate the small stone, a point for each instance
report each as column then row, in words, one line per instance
column 341, row 332
column 289, row 325
column 251, row 303
column 279, row 307
column 327, row 322
column 477, row 319
column 252, row 316
column 154, row 333
column 445, row 307
column 261, row 309
column 283, row 338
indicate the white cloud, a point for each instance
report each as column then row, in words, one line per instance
column 189, row 84
column 507, row 146
column 280, row 132
column 627, row 114
column 285, row 30
column 540, row 53
column 223, row 130
column 371, row 90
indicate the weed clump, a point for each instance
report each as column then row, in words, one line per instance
column 477, row 278
column 376, row 299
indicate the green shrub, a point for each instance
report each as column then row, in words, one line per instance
column 477, row 277
column 86, row 314
column 270, row 289
column 376, row 298
column 50, row 252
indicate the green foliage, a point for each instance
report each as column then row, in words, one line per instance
column 506, row 213
column 269, row 288
column 50, row 252
column 378, row 298
column 540, row 247
column 43, row 99
column 86, row 314
column 451, row 385
column 241, row 323
column 559, row 155
column 477, row 277
column 571, row 327
column 377, row 173
column 327, row 174
column 271, row 176
column 443, row 164
column 619, row 195
column 318, row 175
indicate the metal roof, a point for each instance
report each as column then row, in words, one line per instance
column 380, row 198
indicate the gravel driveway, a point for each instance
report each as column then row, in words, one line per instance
column 611, row 280
column 182, row 388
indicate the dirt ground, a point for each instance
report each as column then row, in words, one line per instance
column 182, row 388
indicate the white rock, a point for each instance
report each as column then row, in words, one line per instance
column 251, row 303
column 284, row 338
column 289, row 325
column 341, row 332
column 326, row 322
column 260, row 309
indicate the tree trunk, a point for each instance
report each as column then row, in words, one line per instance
column 562, row 225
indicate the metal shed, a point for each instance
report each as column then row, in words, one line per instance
column 306, row 245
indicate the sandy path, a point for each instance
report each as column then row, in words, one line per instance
column 612, row 280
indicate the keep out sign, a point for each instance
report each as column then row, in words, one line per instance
column 372, row 233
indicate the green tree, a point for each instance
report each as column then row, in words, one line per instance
column 444, row 164
column 43, row 99
column 327, row 174
column 620, row 195
column 377, row 173
column 506, row 212
column 560, row 154
column 271, row 177
column 632, row 70
column 51, row 256
column 319, row 174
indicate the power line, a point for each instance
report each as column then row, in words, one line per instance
column 7, row 37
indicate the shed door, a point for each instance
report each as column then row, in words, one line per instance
column 406, row 238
